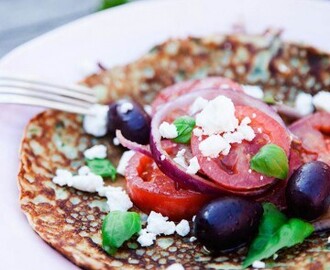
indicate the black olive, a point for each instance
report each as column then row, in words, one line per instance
column 129, row 117
column 227, row 223
column 308, row 190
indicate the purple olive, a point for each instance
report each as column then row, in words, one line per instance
column 129, row 117
column 308, row 190
column 227, row 223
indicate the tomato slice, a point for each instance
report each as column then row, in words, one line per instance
column 314, row 134
column 150, row 189
column 174, row 91
column 233, row 170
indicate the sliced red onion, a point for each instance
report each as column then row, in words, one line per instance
column 143, row 149
column 287, row 111
column 175, row 171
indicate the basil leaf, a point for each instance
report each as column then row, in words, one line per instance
column 111, row 3
column 117, row 228
column 272, row 161
column 184, row 125
column 102, row 167
column 276, row 232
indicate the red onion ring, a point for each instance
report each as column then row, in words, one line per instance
column 175, row 171
column 143, row 149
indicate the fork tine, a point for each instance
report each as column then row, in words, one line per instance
column 40, row 102
column 49, row 89
column 75, row 88
column 44, row 95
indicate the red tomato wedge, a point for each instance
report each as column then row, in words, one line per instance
column 314, row 134
column 150, row 189
column 232, row 171
column 174, row 91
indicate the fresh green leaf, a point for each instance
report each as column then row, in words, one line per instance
column 102, row 167
column 272, row 161
column 276, row 232
column 184, row 126
column 111, row 3
column 269, row 98
column 117, row 228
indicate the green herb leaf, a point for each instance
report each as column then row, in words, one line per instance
column 272, row 161
column 111, row 3
column 276, row 232
column 117, row 228
column 184, row 126
column 102, row 167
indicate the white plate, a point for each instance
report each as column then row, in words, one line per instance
column 118, row 36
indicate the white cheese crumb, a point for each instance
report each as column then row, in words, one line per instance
column 304, row 103
column 117, row 198
column 198, row 132
column 116, row 141
column 125, row 107
column 146, row 238
column 275, row 256
column 259, row 130
column 261, row 177
column 158, row 224
column 88, row 183
column 254, row 115
column 198, row 105
column 162, row 157
column 147, row 109
column 84, row 170
column 193, row 167
column 168, row 131
column 250, row 171
column 175, row 266
column 182, row 228
column 180, row 159
column 258, row 264
column 193, row 218
column 321, row 101
column 124, row 161
column 213, row 146
column 247, row 132
column 96, row 124
column 192, row 239
column 218, row 116
column 253, row 91
column 97, row 151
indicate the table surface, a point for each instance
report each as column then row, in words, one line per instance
column 22, row 20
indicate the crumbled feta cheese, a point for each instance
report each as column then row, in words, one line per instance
column 193, row 218
column 62, row 177
column 125, row 107
column 234, row 137
column 158, row 224
column 213, row 146
column 253, row 91
column 168, row 130
column 192, row 239
column 162, row 157
column 89, row 182
column 124, row 161
column 247, row 132
column 198, row 105
column 175, row 266
column 147, row 109
column 218, row 116
column 146, row 238
column 97, row 151
column 84, row 170
column 304, row 103
column 193, row 167
column 258, row 264
column 275, row 256
column 96, row 123
column 182, row 228
column 179, row 158
column 117, row 198
column 198, row 132
column 321, row 101
column 115, row 141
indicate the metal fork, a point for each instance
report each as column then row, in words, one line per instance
column 74, row 98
